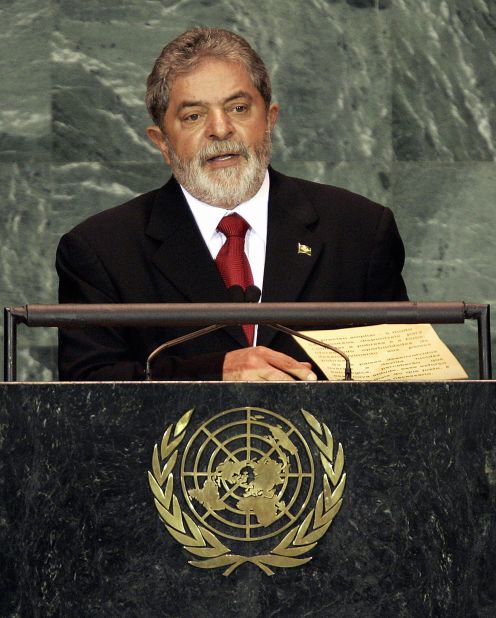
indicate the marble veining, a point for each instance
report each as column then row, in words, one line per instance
column 394, row 100
column 450, row 114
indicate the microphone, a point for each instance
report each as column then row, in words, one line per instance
column 328, row 346
column 169, row 344
column 252, row 294
column 237, row 295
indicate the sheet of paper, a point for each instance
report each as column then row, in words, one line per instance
column 405, row 352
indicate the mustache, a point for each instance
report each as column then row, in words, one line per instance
column 216, row 149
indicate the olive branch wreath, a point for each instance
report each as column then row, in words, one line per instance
column 200, row 542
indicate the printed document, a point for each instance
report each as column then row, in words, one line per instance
column 389, row 352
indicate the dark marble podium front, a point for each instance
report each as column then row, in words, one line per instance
column 416, row 534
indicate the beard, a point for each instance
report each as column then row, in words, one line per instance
column 223, row 187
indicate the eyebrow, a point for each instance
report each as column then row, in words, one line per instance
column 237, row 95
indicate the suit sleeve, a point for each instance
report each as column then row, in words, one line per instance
column 384, row 279
column 105, row 354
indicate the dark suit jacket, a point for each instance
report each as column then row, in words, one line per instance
column 149, row 250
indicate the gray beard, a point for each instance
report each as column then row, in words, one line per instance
column 225, row 187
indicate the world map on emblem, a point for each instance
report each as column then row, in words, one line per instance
column 247, row 473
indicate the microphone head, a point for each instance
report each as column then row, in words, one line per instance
column 252, row 294
column 237, row 294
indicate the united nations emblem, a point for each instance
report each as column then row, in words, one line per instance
column 247, row 475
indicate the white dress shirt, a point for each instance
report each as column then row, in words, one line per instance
column 255, row 213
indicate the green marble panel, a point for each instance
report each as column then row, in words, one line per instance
column 87, row 188
column 447, row 219
column 356, row 79
column 331, row 73
column 334, row 95
column 372, row 179
column 444, row 89
column 29, row 236
column 25, row 28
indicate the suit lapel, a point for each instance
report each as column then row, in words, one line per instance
column 183, row 257
column 293, row 248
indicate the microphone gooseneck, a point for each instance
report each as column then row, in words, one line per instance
column 237, row 295
column 252, row 294
column 169, row 344
column 328, row 346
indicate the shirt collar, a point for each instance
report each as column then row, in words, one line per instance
column 254, row 211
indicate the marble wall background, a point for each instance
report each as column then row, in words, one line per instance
column 394, row 99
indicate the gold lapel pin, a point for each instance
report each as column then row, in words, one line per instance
column 305, row 249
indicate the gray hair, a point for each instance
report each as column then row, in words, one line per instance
column 184, row 53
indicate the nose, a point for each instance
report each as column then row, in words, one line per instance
column 219, row 126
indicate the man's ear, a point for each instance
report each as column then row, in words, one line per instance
column 272, row 114
column 156, row 136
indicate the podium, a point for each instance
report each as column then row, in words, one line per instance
column 415, row 534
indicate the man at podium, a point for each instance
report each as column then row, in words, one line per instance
column 224, row 221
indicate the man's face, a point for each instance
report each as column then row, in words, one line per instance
column 216, row 133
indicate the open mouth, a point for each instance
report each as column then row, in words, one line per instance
column 224, row 157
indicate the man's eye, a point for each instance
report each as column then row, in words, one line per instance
column 240, row 108
column 192, row 117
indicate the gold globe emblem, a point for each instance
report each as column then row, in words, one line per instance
column 247, row 474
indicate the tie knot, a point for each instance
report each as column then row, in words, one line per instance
column 233, row 225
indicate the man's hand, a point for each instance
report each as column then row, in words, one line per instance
column 261, row 363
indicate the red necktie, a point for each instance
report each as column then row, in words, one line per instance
column 231, row 260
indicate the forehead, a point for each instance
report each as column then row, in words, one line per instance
column 212, row 81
